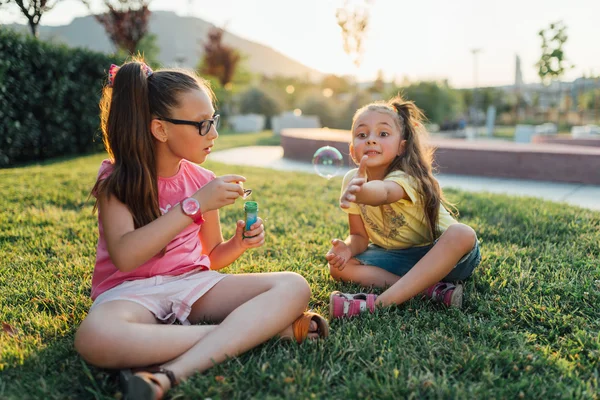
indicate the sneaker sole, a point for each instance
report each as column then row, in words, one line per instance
column 331, row 296
column 457, row 297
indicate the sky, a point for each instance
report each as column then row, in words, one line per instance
column 414, row 40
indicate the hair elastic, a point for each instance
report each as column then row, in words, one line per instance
column 112, row 72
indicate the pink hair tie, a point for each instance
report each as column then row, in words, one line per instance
column 112, row 72
column 147, row 70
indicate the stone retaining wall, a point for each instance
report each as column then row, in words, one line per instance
column 567, row 139
column 547, row 162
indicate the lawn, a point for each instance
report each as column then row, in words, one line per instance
column 530, row 327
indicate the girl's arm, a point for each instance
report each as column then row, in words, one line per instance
column 377, row 193
column 358, row 240
column 221, row 253
column 372, row 193
column 129, row 247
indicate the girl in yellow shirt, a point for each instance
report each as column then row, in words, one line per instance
column 401, row 234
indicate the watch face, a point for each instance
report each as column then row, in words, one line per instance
column 190, row 206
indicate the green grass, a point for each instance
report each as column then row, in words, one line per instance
column 530, row 327
column 508, row 131
column 228, row 140
column 504, row 132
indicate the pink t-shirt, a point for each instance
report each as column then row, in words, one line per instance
column 184, row 252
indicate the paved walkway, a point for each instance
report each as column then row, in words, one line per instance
column 586, row 196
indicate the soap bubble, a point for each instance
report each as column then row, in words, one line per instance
column 328, row 162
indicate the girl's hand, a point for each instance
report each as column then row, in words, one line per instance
column 339, row 254
column 349, row 195
column 255, row 237
column 220, row 192
column 355, row 184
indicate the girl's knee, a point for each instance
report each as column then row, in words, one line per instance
column 341, row 274
column 335, row 273
column 96, row 341
column 89, row 340
column 464, row 236
column 296, row 283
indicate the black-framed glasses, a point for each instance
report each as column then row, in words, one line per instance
column 203, row 126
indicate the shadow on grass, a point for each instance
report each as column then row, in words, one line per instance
column 52, row 161
column 57, row 372
column 419, row 349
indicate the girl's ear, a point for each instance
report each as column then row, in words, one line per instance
column 402, row 147
column 352, row 154
column 158, row 130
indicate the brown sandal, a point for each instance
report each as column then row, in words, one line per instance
column 301, row 326
column 141, row 384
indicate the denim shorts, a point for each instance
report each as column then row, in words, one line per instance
column 400, row 261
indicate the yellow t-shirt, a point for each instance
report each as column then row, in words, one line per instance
column 404, row 224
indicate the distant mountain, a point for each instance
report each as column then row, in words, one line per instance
column 180, row 41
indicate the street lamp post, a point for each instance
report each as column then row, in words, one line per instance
column 475, row 52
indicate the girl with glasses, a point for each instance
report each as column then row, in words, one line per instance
column 160, row 243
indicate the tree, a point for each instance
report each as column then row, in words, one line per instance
column 439, row 101
column 336, row 83
column 319, row 106
column 378, row 84
column 588, row 100
column 256, row 101
column 125, row 22
column 553, row 64
column 33, row 11
column 149, row 49
column 353, row 21
column 219, row 60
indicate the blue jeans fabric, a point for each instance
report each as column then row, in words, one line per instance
column 400, row 261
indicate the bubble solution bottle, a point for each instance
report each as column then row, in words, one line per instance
column 251, row 211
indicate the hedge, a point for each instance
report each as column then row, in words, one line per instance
column 49, row 98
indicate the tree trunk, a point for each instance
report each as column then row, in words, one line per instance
column 595, row 106
column 558, row 99
column 34, row 27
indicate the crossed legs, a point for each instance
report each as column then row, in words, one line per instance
column 252, row 307
column 452, row 245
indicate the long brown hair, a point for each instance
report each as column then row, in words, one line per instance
column 126, row 111
column 416, row 160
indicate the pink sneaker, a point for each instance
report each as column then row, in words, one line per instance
column 445, row 292
column 348, row 305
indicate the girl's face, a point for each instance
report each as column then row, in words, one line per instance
column 185, row 141
column 376, row 135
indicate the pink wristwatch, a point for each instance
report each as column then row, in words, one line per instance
column 191, row 207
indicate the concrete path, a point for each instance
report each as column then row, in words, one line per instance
column 586, row 196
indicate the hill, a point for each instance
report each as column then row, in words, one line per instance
column 180, row 41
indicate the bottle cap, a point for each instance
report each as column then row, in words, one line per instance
column 251, row 206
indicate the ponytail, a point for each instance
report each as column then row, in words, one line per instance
column 417, row 161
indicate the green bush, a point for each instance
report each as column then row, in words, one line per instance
column 323, row 108
column 349, row 106
column 256, row 101
column 438, row 100
column 49, row 98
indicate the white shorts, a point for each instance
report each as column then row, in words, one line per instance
column 169, row 298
